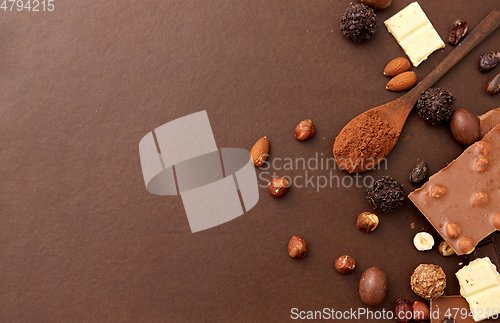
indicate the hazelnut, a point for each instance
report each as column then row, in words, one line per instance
column 481, row 164
column 484, row 147
column 403, row 310
column 480, row 199
column 367, row 222
column 445, row 249
column 452, row 230
column 304, row 130
column 438, row 191
column 420, row 311
column 278, row 186
column 466, row 245
column 496, row 221
column 297, row 247
column 345, row 264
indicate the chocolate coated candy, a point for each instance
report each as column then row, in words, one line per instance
column 373, row 286
column 464, row 127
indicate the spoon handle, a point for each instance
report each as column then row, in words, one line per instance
column 485, row 27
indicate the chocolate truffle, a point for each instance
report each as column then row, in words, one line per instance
column 428, row 281
column 385, row 194
column 358, row 22
column 434, row 106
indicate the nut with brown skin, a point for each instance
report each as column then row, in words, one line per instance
column 420, row 311
column 345, row 264
column 445, row 249
column 278, row 186
column 304, row 130
column 397, row 66
column 260, row 151
column 401, row 82
column 480, row 199
column 403, row 310
column 367, row 222
column 496, row 221
column 297, row 247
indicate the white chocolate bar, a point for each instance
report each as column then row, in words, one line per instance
column 414, row 33
column 480, row 286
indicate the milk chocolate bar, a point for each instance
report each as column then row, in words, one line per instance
column 462, row 201
column 488, row 121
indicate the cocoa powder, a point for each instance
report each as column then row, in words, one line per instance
column 364, row 142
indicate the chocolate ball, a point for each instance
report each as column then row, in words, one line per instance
column 464, row 127
column 373, row 286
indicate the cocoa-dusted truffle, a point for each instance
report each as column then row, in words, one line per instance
column 428, row 281
column 358, row 22
column 385, row 194
column 434, row 106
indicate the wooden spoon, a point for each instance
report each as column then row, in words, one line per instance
column 369, row 137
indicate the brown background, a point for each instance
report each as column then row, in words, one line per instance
column 81, row 239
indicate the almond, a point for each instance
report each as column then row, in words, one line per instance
column 260, row 151
column 397, row 66
column 401, row 82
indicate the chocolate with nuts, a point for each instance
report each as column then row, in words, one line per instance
column 462, row 200
column 488, row 121
column 428, row 281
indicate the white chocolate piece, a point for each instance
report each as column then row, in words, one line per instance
column 414, row 33
column 480, row 286
column 423, row 241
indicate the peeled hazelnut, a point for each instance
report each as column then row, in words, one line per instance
column 484, row 147
column 367, row 222
column 480, row 199
column 278, row 186
column 452, row 230
column 496, row 221
column 403, row 310
column 420, row 311
column 297, row 247
column 377, row 4
column 345, row 264
column 481, row 164
column 466, row 245
column 304, row 130
column 423, row 241
column 438, row 191
column 445, row 249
